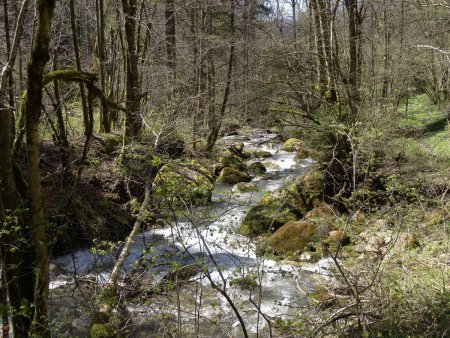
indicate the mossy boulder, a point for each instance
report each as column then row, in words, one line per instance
column 267, row 217
column 183, row 182
column 337, row 238
column 321, row 211
column 111, row 143
column 293, row 236
column 292, row 145
column 232, row 161
column 257, row 168
column 245, row 283
column 245, row 187
column 101, row 331
column 271, row 165
column 307, row 192
column 232, row 176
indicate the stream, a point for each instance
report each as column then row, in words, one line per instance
column 205, row 235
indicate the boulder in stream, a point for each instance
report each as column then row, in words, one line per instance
column 245, row 187
column 292, row 145
column 232, row 161
column 257, row 168
column 266, row 217
column 293, row 236
column 232, row 176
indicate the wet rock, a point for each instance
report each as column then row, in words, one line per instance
column 232, row 161
column 267, row 217
column 184, row 273
column 293, row 236
column 245, row 187
column 260, row 154
column 291, row 145
column 181, row 182
column 271, row 165
column 257, row 168
column 232, row 176
column 245, row 283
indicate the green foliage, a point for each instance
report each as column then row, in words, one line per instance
column 101, row 331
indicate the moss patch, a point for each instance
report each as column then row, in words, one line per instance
column 293, row 236
column 232, row 176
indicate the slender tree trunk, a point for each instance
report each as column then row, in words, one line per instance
column 133, row 123
column 14, row 250
column 354, row 54
column 170, row 27
column 387, row 42
column 8, row 52
column 38, row 60
column 4, row 300
column 76, row 51
column 217, row 120
column 105, row 123
column 63, row 143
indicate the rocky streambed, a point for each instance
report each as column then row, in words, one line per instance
column 197, row 275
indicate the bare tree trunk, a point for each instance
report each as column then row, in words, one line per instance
column 63, row 143
column 76, row 50
column 7, row 69
column 387, row 42
column 105, row 123
column 133, row 123
column 38, row 60
column 170, row 37
column 354, row 29
column 216, row 123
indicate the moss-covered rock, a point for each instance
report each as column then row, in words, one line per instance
column 271, row 165
column 291, row 145
column 183, row 182
column 101, row 331
column 307, row 192
column 234, row 162
column 111, row 143
column 322, row 210
column 245, row 187
column 245, row 283
column 337, row 238
column 232, row 176
column 293, row 236
column 257, row 168
column 266, row 217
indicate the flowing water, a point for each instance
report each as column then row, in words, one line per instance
column 205, row 235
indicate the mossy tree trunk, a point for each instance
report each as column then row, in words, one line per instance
column 14, row 248
column 32, row 111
